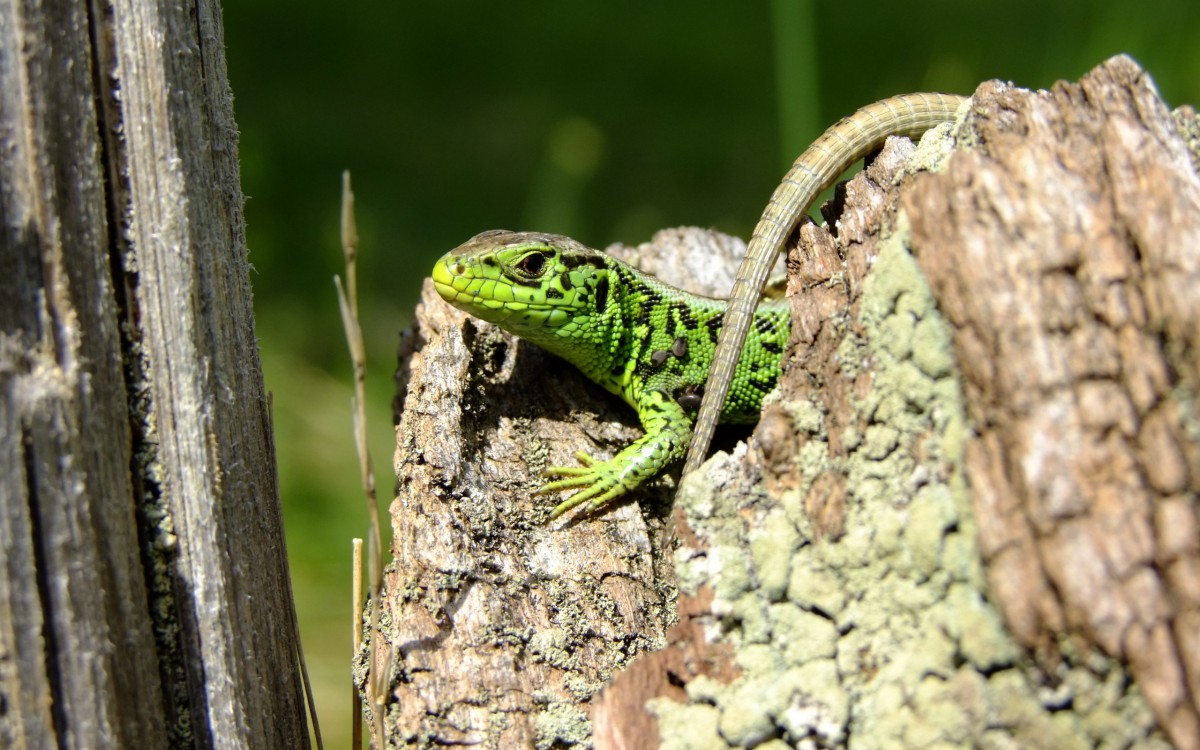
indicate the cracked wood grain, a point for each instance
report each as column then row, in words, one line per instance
column 145, row 601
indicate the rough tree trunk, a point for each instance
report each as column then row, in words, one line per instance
column 507, row 626
column 144, row 601
column 969, row 518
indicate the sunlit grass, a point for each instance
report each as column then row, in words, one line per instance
column 322, row 499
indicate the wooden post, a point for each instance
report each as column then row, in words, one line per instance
column 144, row 601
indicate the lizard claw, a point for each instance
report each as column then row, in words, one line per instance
column 595, row 480
column 589, row 465
column 598, row 483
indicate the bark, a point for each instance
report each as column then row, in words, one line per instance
column 138, row 472
column 970, row 515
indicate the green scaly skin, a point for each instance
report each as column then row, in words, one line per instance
column 646, row 341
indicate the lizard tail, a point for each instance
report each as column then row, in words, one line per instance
column 821, row 163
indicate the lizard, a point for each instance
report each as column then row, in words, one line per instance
column 682, row 361
column 636, row 336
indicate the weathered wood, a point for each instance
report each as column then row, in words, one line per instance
column 1080, row 345
column 970, row 518
column 144, row 600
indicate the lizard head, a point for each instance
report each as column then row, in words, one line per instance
column 538, row 286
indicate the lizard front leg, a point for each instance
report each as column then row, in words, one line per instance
column 668, row 430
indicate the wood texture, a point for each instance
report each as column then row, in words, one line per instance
column 949, row 528
column 1079, row 345
column 144, row 600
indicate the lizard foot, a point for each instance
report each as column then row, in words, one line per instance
column 598, row 483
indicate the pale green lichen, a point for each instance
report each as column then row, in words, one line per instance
column 929, row 519
column 772, row 546
column 817, row 635
column 882, row 637
column 937, row 144
column 553, row 647
column 813, row 587
column 562, row 725
column 1189, row 130
column 700, row 721
column 932, row 351
column 978, row 630
column 806, row 416
column 745, row 719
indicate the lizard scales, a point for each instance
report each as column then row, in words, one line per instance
column 668, row 353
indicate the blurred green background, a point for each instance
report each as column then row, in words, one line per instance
column 601, row 120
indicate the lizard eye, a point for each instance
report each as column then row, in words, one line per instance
column 532, row 265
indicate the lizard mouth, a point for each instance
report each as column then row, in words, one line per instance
column 443, row 279
column 457, row 283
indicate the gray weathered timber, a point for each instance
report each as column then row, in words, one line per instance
column 144, row 600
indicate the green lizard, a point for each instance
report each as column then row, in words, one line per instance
column 652, row 344
column 646, row 341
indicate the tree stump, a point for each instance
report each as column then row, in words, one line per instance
column 507, row 626
column 969, row 516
